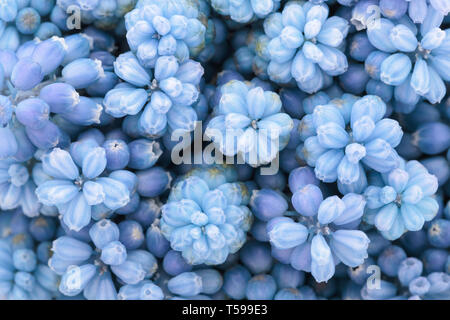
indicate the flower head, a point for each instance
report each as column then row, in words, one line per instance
column 411, row 58
column 351, row 133
column 322, row 233
column 24, row 277
column 87, row 266
column 205, row 221
column 305, row 45
column 167, row 97
column 78, row 194
column 244, row 11
column 164, row 28
column 404, row 200
column 249, row 123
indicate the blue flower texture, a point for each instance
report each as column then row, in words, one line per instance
column 224, row 150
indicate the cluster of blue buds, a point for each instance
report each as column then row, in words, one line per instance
column 30, row 18
column 79, row 194
column 305, row 45
column 24, row 276
column 414, row 60
column 249, row 123
column 205, row 219
column 85, row 270
column 414, row 285
column 164, row 28
column 403, row 201
column 244, row 11
column 346, row 134
column 161, row 99
column 323, row 236
column 224, row 149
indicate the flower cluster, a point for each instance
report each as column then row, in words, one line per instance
column 205, row 220
column 318, row 240
column 304, row 45
column 249, row 123
column 224, row 149
column 160, row 100
column 414, row 61
column 19, row 19
column 243, row 11
column 404, row 201
column 164, row 28
column 84, row 270
column 350, row 132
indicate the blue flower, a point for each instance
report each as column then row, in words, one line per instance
column 164, row 28
column 305, row 45
column 77, row 196
column 418, row 11
column 403, row 201
column 323, row 234
column 90, row 270
column 441, row 6
column 244, row 11
column 415, row 61
column 17, row 189
column 144, row 290
column 350, row 135
column 416, row 286
column 249, row 123
column 172, row 91
column 38, row 111
column 22, row 19
column 206, row 220
column 23, row 277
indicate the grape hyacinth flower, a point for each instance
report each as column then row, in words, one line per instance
column 167, row 98
column 36, row 61
column 164, row 28
column 243, row 11
column 350, row 135
column 417, row 10
column 413, row 60
column 77, row 196
column 20, row 20
column 322, row 233
column 249, row 122
column 23, row 276
column 403, row 201
column 414, row 284
column 35, row 99
column 17, row 189
column 206, row 217
column 144, row 290
column 90, row 269
column 332, row 117
column 305, row 45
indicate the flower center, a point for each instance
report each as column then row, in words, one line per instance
column 421, row 52
column 79, row 182
column 254, row 124
column 154, row 85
